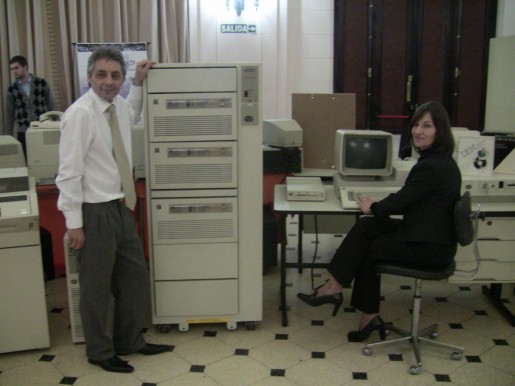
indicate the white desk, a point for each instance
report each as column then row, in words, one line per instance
column 332, row 205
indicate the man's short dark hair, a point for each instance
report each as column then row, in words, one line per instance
column 109, row 53
column 19, row 59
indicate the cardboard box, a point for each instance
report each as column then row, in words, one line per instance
column 320, row 115
column 476, row 155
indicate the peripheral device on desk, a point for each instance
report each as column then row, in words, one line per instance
column 349, row 196
column 305, row 189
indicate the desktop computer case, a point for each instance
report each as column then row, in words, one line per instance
column 203, row 142
column 72, row 282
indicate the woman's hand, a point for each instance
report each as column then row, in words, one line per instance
column 364, row 204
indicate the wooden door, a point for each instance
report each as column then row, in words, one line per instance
column 397, row 54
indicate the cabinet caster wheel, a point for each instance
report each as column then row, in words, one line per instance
column 434, row 335
column 415, row 369
column 163, row 328
column 251, row 326
column 367, row 351
column 184, row 326
column 456, row 355
column 232, row 325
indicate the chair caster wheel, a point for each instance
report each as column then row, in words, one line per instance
column 367, row 351
column 434, row 335
column 456, row 355
column 415, row 369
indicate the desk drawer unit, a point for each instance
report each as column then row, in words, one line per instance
column 496, row 246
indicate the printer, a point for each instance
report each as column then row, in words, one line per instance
column 42, row 141
column 23, row 311
column 11, row 152
column 18, row 207
column 282, row 151
column 282, row 133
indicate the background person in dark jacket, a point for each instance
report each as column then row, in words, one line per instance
column 424, row 237
column 27, row 98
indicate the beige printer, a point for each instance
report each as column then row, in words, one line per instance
column 42, row 140
column 23, row 314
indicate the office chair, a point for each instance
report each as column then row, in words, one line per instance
column 465, row 234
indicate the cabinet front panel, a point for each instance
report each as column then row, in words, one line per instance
column 196, row 297
column 195, row 261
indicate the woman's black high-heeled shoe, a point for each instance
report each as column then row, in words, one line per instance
column 375, row 324
column 314, row 301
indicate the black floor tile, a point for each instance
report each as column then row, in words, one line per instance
column 68, row 381
column 197, row 369
column 442, row 378
column 359, row 375
column 278, row 372
column 241, row 351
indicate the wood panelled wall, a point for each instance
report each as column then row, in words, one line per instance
column 397, row 54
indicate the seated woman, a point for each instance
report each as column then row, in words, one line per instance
column 425, row 236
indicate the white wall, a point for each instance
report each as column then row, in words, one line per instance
column 294, row 43
column 505, row 18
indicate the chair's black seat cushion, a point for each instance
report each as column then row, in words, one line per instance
column 416, row 272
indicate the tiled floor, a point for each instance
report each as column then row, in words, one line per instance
column 312, row 350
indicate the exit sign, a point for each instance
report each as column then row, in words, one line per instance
column 237, row 28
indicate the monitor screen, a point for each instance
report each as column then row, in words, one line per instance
column 363, row 153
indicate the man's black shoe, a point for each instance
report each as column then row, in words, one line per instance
column 153, row 349
column 113, row 364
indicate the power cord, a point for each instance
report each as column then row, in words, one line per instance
column 477, row 257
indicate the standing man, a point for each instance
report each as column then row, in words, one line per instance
column 96, row 201
column 27, row 98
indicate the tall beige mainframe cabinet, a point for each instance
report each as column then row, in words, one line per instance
column 203, row 141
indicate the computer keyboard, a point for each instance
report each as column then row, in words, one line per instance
column 349, row 195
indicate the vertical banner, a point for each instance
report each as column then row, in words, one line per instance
column 132, row 52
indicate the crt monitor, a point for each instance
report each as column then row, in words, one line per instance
column 363, row 154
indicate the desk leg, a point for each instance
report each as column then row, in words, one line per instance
column 494, row 295
column 284, row 241
column 300, row 231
